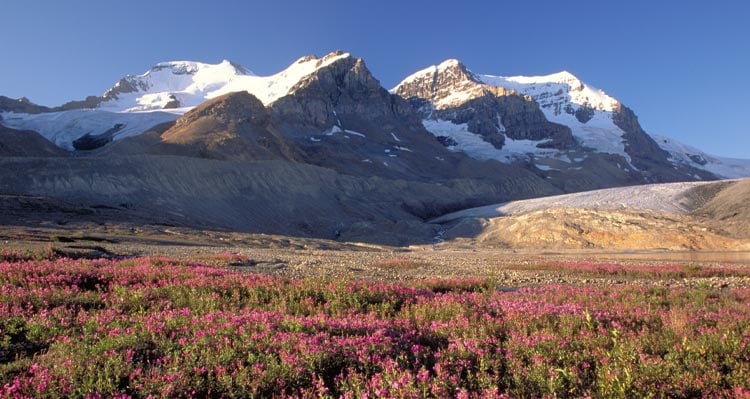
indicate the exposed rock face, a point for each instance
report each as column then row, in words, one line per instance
column 173, row 103
column 344, row 91
column 340, row 117
column 647, row 156
column 440, row 85
column 452, row 92
column 234, row 126
column 583, row 114
column 90, row 102
column 638, row 144
column 91, row 142
column 21, row 105
column 124, row 86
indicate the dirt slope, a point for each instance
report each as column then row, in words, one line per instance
column 680, row 216
column 589, row 229
column 26, row 143
column 729, row 210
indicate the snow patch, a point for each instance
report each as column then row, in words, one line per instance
column 730, row 168
column 63, row 128
column 547, row 87
column 355, row 133
column 560, row 95
column 667, row 197
column 474, row 146
column 545, row 168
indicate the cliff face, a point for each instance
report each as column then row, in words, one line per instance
column 451, row 92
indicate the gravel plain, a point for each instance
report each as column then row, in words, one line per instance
column 292, row 257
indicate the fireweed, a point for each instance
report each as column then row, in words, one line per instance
column 163, row 328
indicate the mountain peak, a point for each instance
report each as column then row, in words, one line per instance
column 240, row 106
column 444, row 85
column 241, row 70
column 450, row 63
column 563, row 76
column 318, row 62
column 178, row 67
column 182, row 85
column 556, row 90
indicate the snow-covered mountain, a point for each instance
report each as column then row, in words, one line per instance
column 555, row 125
column 161, row 94
column 731, row 168
column 596, row 120
column 182, row 85
column 566, row 100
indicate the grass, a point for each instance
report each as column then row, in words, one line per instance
column 663, row 271
column 156, row 327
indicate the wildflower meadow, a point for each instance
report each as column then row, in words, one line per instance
column 153, row 327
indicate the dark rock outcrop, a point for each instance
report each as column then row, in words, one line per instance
column 26, row 143
column 639, row 145
column 21, row 105
column 90, row 102
column 583, row 113
column 647, row 156
column 342, row 118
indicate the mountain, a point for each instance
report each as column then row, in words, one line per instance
column 336, row 156
column 322, row 149
column 556, row 126
column 163, row 93
column 584, row 135
column 186, row 84
column 336, row 116
column 234, row 126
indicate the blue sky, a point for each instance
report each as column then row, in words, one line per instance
column 683, row 66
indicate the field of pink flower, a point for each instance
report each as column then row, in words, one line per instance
column 663, row 271
column 163, row 328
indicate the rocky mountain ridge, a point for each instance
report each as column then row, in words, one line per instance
column 557, row 118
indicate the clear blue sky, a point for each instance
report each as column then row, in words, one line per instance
column 683, row 66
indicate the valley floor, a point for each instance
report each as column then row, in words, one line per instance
column 294, row 257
